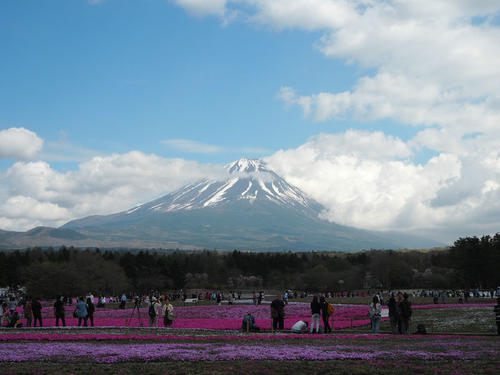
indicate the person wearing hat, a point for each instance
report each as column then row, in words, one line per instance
column 496, row 309
column 153, row 312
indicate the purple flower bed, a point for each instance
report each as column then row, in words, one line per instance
column 242, row 337
column 110, row 353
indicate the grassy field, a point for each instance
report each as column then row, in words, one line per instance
column 465, row 320
column 414, row 300
column 335, row 300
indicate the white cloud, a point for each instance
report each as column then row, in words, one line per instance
column 364, row 179
column 434, row 67
column 19, row 143
column 21, row 207
column 187, row 145
column 358, row 178
column 37, row 194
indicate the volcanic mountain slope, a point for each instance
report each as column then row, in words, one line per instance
column 253, row 209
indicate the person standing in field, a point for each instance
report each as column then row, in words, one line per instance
column 315, row 313
column 325, row 314
column 375, row 314
column 59, row 311
column 123, row 301
column 90, row 310
column 393, row 314
column 278, row 313
column 168, row 313
column 28, row 313
column 82, row 313
column 36, row 307
column 154, row 312
column 496, row 309
column 405, row 311
column 398, row 311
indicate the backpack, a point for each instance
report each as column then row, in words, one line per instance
column 330, row 309
column 152, row 311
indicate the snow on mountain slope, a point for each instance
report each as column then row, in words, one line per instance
column 248, row 180
column 252, row 208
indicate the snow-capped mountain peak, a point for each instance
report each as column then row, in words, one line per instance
column 248, row 180
column 246, row 166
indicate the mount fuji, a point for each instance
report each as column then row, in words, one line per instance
column 251, row 209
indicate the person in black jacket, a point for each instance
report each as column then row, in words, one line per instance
column 315, row 312
column 278, row 313
column 324, row 314
column 393, row 314
column 36, row 307
column 90, row 311
column 405, row 311
column 59, row 311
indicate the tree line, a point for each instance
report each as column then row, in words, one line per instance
column 470, row 263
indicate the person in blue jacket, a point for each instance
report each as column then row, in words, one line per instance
column 82, row 311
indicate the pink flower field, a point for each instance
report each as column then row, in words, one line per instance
column 228, row 317
column 208, row 340
column 225, row 317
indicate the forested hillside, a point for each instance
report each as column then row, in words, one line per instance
column 471, row 262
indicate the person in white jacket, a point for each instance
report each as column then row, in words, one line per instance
column 168, row 313
column 300, row 327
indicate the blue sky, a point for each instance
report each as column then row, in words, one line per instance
column 386, row 112
column 127, row 75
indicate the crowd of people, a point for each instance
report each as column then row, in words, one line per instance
column 398, row 308
column 11, row 317
column 321, row 309
column 19, row 310
column 399, row 311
